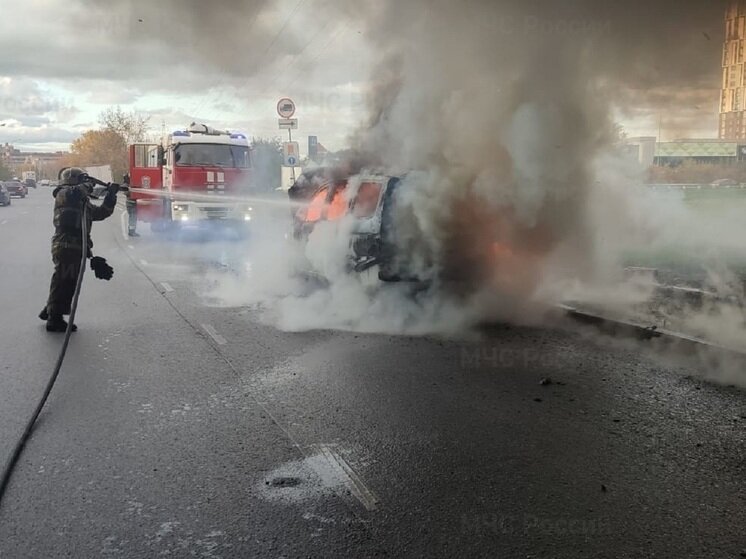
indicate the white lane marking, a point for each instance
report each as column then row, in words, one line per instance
column 167, row 287
column 351, row 479
column 24, row 213
column 220, row 340
column 3, row 222
column 143, row 262
column 123, row 221
column 131, row 247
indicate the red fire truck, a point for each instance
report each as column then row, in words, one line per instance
column 195, row 175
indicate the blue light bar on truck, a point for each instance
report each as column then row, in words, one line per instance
column 238, row 137
column 180, row 133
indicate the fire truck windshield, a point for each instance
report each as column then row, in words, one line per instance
column 211, row 155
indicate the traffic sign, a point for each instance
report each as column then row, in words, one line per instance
column 290, row 154
column 285, row 107
column 288, row 123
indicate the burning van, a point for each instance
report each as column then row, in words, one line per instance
column 470, row 244
column 367, row 201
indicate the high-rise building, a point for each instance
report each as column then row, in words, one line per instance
column 733, row 93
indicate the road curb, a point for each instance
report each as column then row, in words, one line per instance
column 615, row 326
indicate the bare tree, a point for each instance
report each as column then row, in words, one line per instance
column 131, row 126
column 267, row 162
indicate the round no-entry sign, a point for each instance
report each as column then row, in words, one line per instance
column 285, row 107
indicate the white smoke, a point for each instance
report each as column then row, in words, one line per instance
column 503, row 110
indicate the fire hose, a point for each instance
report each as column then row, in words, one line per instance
column 21, row 443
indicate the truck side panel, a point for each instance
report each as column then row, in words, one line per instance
column 146, row 170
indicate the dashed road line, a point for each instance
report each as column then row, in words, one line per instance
column 131, row 247
column 143, row 262
column 353, row 481
column 123, row 221
column 167, row 287
column 3, row 222
column 220, row 340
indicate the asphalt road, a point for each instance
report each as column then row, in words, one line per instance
column 183, row 428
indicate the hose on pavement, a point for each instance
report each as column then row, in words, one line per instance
column 7, row 471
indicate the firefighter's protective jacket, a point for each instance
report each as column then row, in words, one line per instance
column 69, row 202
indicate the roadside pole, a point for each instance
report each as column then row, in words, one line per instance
column 290, row 141
column 290, row 149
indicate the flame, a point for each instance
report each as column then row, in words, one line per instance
column 315, row 209
column 319, row 208
column 338, row 206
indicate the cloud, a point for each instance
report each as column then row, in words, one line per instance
column 207, row 57
column 170, row 44
column 240, row 53
column 25, row 98
column 22, row 135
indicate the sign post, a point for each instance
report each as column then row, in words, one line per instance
column 290, row 155
column 285, row 110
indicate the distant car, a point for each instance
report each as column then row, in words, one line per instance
column 16, row 188
column 724, row 182
column 54, row 183
column 30, row 183
column 4, row 195
column 44, row 182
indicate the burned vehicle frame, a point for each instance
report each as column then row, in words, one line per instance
column 368, row 199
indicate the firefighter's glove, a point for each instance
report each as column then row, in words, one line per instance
column 113, row 188
column 101, row 269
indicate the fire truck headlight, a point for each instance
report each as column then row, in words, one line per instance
column 184, row 218
column 181, row 207
column 247, row 217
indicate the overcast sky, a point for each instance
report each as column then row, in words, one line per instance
column 227, row 62
column 62, row 63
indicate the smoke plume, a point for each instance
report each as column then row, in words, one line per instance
column 500, row 115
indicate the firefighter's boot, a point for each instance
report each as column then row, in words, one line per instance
column 56, row 323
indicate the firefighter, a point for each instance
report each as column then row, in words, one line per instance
column 131, row 209
column 70, row 198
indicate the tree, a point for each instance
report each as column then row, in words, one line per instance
column 108, row 146
column 100, row 147
column 132, row 127
column 618, row 134
column 5, row 172
column 267, row 163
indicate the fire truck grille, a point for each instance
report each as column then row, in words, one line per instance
column 213, row 212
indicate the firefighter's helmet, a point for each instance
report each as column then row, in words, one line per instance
column 70, row 176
